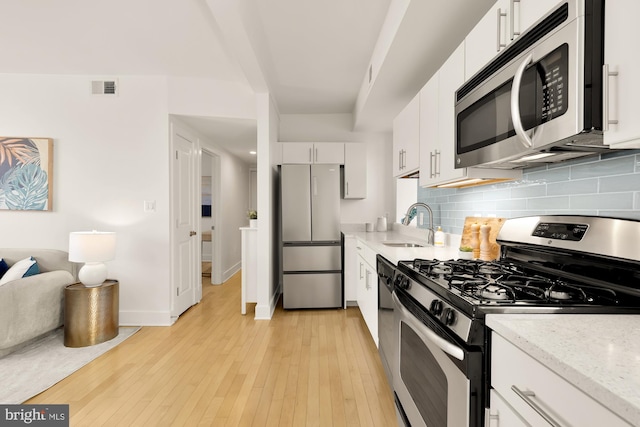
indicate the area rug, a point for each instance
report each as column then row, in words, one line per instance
column 41, row 364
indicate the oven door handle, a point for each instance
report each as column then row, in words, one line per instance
column 427, row 333
column 515, row 103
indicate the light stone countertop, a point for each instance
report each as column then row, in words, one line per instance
column 599, row 354
column 399, row 233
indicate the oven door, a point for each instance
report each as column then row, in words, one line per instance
column 437, row 382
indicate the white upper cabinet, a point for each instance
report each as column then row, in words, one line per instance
column 437, row 130
column 307, row 153
column 429, row 144
column 621, row 110
column 527, row 12
column 488, row 37
column 355, row 171
column 450, row 78
column 500, row 26
column 406, row 139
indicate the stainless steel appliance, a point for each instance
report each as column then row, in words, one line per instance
column 387, row 337
column 311, row 239
column 540, row 100
column 548, row 264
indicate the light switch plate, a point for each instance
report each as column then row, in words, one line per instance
column 149, row 205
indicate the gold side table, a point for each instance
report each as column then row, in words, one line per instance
column 90, row 314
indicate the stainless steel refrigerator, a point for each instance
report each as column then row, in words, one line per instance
column 310, row 226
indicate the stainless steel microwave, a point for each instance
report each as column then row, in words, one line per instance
column 540, row 100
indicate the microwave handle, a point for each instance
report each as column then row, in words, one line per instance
column 515, row 103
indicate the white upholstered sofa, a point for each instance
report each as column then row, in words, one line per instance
column 34, row 305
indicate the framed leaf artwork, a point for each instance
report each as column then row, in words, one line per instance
column 26, row 174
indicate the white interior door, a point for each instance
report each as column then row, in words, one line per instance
column 185, row 248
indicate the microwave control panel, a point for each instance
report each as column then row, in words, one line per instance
column 552, row 72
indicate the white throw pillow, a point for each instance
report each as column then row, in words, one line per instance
column 18, row 270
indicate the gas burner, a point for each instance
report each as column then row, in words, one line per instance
column 495, row 292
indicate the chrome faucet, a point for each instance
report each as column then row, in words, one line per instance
column 408, row 217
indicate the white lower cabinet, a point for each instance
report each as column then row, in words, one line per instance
column 367, row 287
column 531, row 392
column 501, row 414
column 350, row 270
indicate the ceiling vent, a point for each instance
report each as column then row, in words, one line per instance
column 104, row 87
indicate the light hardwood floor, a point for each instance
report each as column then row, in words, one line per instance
column 215, row 367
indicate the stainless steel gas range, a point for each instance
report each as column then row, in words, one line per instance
column 548, row 264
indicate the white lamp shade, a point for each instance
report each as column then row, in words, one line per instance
column 92, row 246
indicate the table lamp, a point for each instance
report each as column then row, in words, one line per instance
column 93, row 248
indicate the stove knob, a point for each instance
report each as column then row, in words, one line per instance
column 449, row 317
column 436, row 307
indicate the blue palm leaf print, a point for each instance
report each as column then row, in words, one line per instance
column 25, row 187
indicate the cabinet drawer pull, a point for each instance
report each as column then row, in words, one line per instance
column 527, row 397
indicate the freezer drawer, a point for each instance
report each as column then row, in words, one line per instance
column 311, row 258
column 316, row 290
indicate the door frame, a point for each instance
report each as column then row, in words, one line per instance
column 216, row 244
column 196, row 265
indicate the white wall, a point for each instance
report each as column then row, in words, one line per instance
column 268, row 259
column 337, row 128
column 110, row 155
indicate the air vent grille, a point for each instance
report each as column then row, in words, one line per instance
column 104, row 87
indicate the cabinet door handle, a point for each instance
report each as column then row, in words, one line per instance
column 527, row 397
column 316, row 159
column 606, row 121
column 361, row 275
column 367, row 280
column 347, row 188
column 432, row 165
column 436, row 164
column 310, row 156
column 513, row 32
column 491, row 420
column 500, row 45
column 400, row 160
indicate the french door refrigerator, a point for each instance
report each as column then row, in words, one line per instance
column 311, row 238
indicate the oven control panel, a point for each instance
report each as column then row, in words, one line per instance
column 560, row 231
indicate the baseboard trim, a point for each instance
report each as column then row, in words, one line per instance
column 231, row 271
column 145, row 318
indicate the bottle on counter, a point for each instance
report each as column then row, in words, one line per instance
column 438, row 238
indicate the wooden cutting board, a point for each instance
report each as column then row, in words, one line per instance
column 494, row 223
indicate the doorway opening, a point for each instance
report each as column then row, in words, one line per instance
column 210, row 217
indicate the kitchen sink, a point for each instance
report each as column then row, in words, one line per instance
column 403, row 244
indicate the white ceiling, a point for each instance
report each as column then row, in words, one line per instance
column 313, row 54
